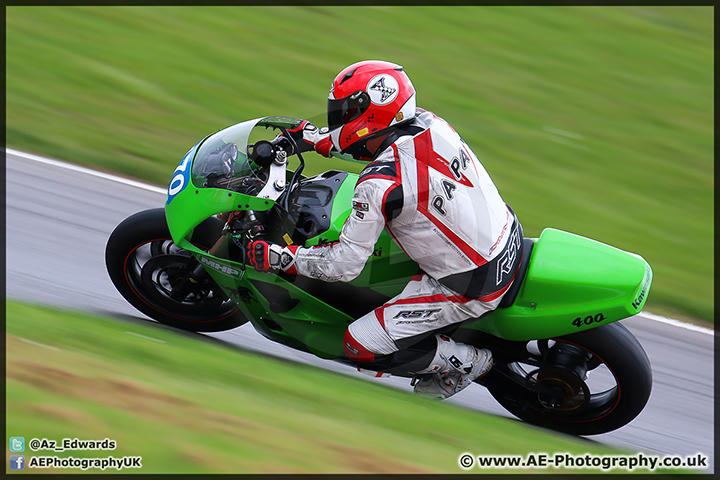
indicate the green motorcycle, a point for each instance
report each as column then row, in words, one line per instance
column 561, row 359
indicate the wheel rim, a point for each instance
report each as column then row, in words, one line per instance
column 155, row 269
column 578, row 399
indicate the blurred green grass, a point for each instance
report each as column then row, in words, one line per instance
column 189, row 405
column 595, row 120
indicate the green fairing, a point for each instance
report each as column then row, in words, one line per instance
column 192, row 206
column 310, row 325
column 572, row 284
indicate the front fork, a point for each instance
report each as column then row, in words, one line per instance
column 197, row 273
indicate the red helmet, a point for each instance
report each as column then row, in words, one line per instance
column 365, row 100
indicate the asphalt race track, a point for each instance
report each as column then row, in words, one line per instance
column 59, row 218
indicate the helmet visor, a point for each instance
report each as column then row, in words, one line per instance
column 344, row 110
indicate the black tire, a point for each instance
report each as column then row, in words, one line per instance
column 613, row 348
column 144, row 263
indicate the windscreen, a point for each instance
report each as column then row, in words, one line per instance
column 222, row 161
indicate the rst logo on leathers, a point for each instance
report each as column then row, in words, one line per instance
column 382, row 89
column 416, row 313
column 507, row 261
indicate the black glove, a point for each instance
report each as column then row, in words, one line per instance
column 270, row 257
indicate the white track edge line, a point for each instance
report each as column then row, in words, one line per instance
column 145, row 336
column 677, row 323
column 88, row 171
column 132, row 183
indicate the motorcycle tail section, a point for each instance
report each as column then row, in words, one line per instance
column 572, row 284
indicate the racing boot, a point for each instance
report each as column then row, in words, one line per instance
column 453, row 368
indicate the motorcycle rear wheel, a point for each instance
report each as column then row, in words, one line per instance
column 584, row 410
column 147, row 267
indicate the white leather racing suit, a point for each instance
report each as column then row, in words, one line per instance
column 435, row 199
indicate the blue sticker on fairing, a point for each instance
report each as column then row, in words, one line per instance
column 181, row 176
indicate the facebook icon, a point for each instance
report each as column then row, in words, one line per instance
column 17, row 462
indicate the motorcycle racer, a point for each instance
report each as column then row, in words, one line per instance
column 428, row 190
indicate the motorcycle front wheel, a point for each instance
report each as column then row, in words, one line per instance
column 601, row 380
column 152, row 274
